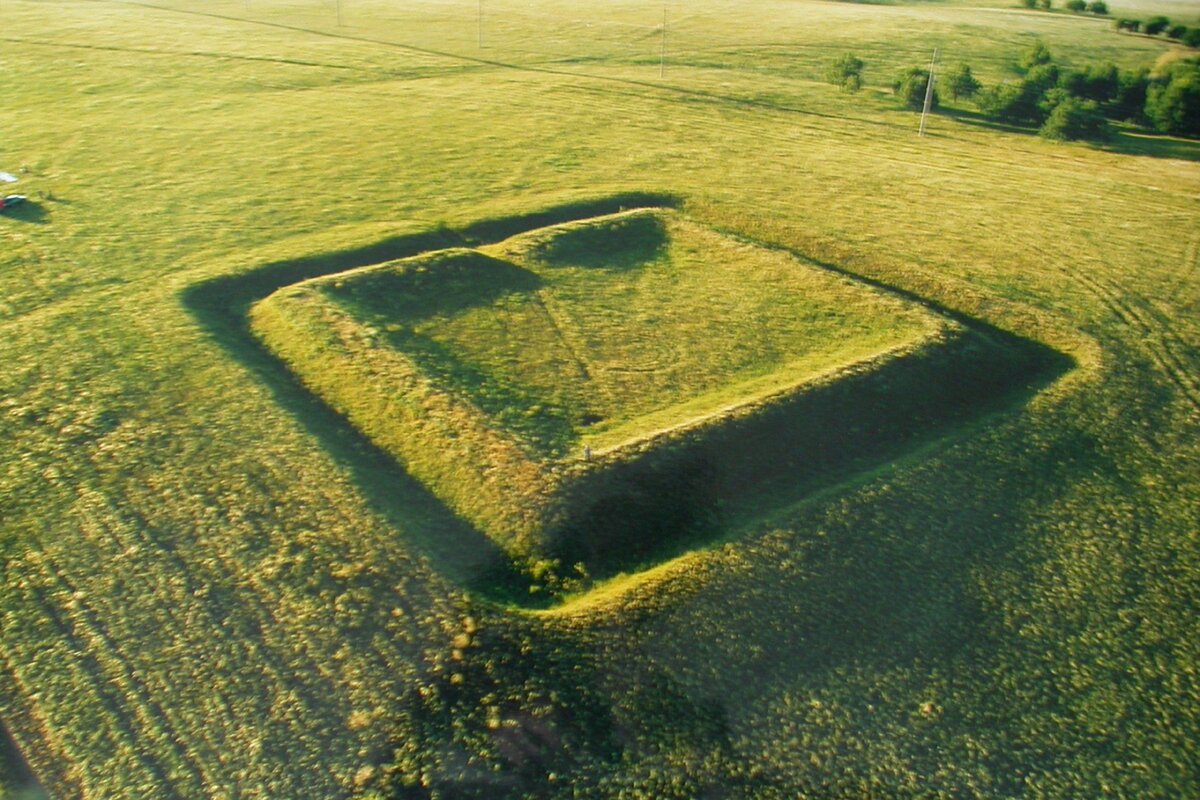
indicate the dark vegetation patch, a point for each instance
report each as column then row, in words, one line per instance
column 448, row 281
column 620, row 243
column 16, row 779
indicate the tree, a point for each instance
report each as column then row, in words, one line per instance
column 910, row 86
column 1099, row 8
column 1015, row 103
column 1037, row 54
column 1026, row 102
column 1029, row 3
column 1156, row 26
column 1042, row 78
column 960, row 82
column 1130, row 98
column 1072, row 119
column 1101, row 83
column 1176, row 31
column 1131, row 25
column 1174, row 106
column 846, row 72
column 1192, row 37
column 1077, row 6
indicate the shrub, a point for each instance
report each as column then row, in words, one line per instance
column 1099, row 8
column 1130, row 97
column 846, row 72
column 1077, row 6
column 910, row 86
column 1174, row 107
column 1157, row 25
column 1037, row 54
column 1023, row 103
column 1016, row 103
column 961, row 83
column 1045, row 4
column 1029, row 3
column 1072, row 118
column 1042, row 78
column 1131, row 25
column 1176, row 31
column 1074, row 83
column 1098, row 82
column 1192, row 37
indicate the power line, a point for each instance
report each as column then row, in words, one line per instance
column 928, row 93
column 662, row 55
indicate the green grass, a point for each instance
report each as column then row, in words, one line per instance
column 213, row 586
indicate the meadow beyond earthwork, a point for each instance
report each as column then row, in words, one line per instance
column 314, row 306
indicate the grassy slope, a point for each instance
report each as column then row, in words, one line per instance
column 274, row 610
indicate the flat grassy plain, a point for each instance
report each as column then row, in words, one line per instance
column 214, row 587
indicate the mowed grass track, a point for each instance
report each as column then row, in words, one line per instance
column 210, row 589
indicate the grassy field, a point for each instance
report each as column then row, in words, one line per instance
column 215, row 587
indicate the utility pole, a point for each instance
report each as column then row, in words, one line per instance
column 928, row 93
column 662, row 53
column 480, row 24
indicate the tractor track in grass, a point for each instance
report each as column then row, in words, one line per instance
column 109, row 686
column 539, row 300
column 1191, row 265
column 236, row 636
column 292, row 62
column 1173, row 356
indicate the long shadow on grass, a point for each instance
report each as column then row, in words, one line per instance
column 1124, row 141
column 697, row 493
column 15, row 774
column 1154, row 146
column 221, row 306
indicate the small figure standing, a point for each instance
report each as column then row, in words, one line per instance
column 587, row 452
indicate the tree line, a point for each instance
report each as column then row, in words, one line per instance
column 1063, row 103
column 1156, row 25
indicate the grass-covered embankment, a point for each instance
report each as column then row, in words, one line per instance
column 694, row 368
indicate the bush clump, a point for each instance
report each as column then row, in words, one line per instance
column 911, row 86
column 1156, row 25
column 1067, row 104
column 961, row 83
column 846, row 72
column 1072, row 118
column 1173, row 101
